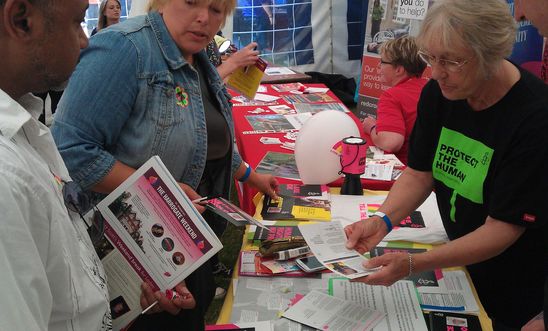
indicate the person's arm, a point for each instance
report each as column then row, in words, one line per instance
column 266, row 184
column 407, row 193
column 95, row 107
column 244, row 57
column 26, row 293
column 535, row 324
column 388, row 141
column 388, row 131
column 487, row 241
column 120, row 172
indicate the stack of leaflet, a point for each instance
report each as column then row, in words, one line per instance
column 382, row 166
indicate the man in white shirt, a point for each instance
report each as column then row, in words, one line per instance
column 51, row 278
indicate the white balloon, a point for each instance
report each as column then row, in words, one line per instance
column 316, row 162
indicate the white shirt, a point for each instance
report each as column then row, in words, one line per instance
column 50, row 275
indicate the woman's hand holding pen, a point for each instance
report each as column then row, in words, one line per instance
column 154, row 302
column 192, row 195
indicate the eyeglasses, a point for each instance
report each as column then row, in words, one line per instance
column 449, row 65
column 78, row 201
column 386, row 62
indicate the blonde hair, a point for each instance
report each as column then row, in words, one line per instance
column 102, row 22
column 484, row 26
column 404, row 51
column 227, row 5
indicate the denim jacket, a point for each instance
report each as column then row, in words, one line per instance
column 132, row 96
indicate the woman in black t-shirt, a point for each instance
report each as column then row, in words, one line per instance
column 480, row 141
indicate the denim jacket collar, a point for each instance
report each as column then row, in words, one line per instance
column 170, row 50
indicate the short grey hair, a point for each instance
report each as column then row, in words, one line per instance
column 404, row 51
column 485, row 26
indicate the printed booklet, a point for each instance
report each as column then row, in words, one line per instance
column 299, row 202
column 279, row 165
column 247, row 80
column 231, row 212
column 153, row 234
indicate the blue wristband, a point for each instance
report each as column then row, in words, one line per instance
column 385, row 219
column 246, row 175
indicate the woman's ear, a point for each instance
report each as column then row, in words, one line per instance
column 400, row 70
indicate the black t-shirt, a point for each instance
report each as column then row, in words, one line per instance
column 218, row 134
column 492, row 162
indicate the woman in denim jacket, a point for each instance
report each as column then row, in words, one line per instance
column 145, row 87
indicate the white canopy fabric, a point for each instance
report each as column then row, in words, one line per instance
column 329, row 37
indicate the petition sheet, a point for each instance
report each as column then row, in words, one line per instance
column 328, row 243
column 325, row 312
column 399, row 302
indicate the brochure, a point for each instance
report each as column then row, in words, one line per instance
column 308, row 98
column 231, row 212
column 421, row 279
column 252, row 264
column 454, row 322
column 325, row 312
column 269, row 122
column 246, row 80
column 279, row 165
column 381, row 166
column 276, row 71
column 299, row 202
column 275, row 232
column 304, row 191
column 317, row 107
column 153, row 234
column 349, row 209
column 298, row 120
column 286, row 87
column 453, row 293
column 328, row 243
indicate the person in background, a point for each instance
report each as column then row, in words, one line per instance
column 51, row 277
column 232, row 61
column 171, row 103
column 377, row 14
column 243, row 57
column 537, row 12
column 480, row 142
column 109, row 14
column 401, row 68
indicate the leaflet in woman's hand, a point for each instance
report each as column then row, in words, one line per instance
column 328, row 243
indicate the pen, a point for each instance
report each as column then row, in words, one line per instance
column 170, row 294
column 204, row 199
column 149, row 307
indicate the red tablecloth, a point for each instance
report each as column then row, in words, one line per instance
column 252, row 150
